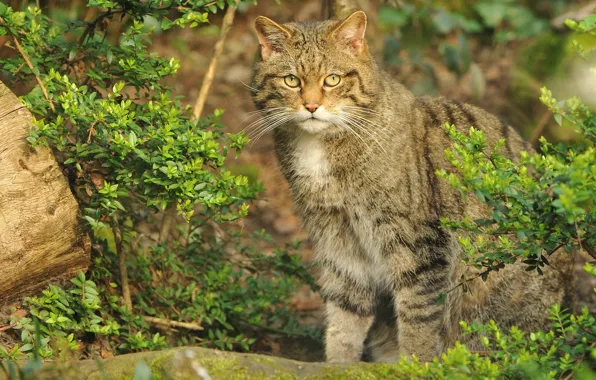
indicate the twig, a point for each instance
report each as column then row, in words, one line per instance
column 163, row 299
column 540, row 127
column 217, row 51
column 4, row 328
column 166, row 223
column 93, row 24
column 170, row 213
column 339, row 9
column 577, row 15
column 465, row 281
column 589, row 250
column 123, row 270
column 270, row 329
column 30, row 65
column 169, row 322
column 168, row 7
column 483, row 353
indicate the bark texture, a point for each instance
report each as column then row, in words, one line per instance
column 339, row 9
column 40, row 235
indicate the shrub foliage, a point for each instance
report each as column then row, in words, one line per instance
column 130, row 149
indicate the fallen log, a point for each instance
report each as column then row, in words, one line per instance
column 40, row 235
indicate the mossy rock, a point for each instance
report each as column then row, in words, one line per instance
column 200, row 363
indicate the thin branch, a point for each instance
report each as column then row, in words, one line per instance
column 169, row 322
column 93, row 24
column 269, row 328
column 4, row 328
column 170, row 213
column 540, row 127
column 559, row 22
column 581, row 242
column 589, row 250
column 217, row 51
column 465, row 281
column 123, row 270
column 166, row 223
column 29, row 64
column 168, row 7
column 338, row 9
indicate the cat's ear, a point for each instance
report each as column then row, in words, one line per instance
column 271, row 36
column 350, row 32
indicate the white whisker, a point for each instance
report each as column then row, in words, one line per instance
column 363, row 128
column 253, row 114
column 265, row 122
column 344, row 124
column 360, row 109
column 258, row 123
column 270, row 127
column 251, row 88
column 381, row 131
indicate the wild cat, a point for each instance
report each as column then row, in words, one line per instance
column 360, row 153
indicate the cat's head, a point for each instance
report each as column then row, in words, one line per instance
column 317, row 76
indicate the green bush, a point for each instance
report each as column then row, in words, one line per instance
column 564, row 352
column 59, row 317
column 538, row 205
column 448, row 26
column 130, row 149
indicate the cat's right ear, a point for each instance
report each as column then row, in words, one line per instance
column 350, row 32
column 271, row 36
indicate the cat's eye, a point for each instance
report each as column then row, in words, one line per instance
column 292, row 81
column 332, row 80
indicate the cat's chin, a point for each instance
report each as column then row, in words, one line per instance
column 314, row 125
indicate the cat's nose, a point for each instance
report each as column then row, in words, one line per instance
column 312, row 106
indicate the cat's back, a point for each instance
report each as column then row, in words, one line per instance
column 434, row 112
column 428, row 117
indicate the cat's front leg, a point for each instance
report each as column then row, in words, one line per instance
column 349, row 296
column 346, row 283
column 345, row 334
column 423, row 280
column 421, row 318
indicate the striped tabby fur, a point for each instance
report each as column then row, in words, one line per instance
column 362, row 175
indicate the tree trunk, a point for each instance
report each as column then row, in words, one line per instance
column 340, row 9
column 40, row 235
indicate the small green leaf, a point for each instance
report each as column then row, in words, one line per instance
column 26, row 347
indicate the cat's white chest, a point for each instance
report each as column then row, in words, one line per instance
column 311, row 160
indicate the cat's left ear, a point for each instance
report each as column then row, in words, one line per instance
column 272, row 36
column 351, row 32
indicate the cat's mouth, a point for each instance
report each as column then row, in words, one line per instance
column 313, row 125
column 313, row 122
